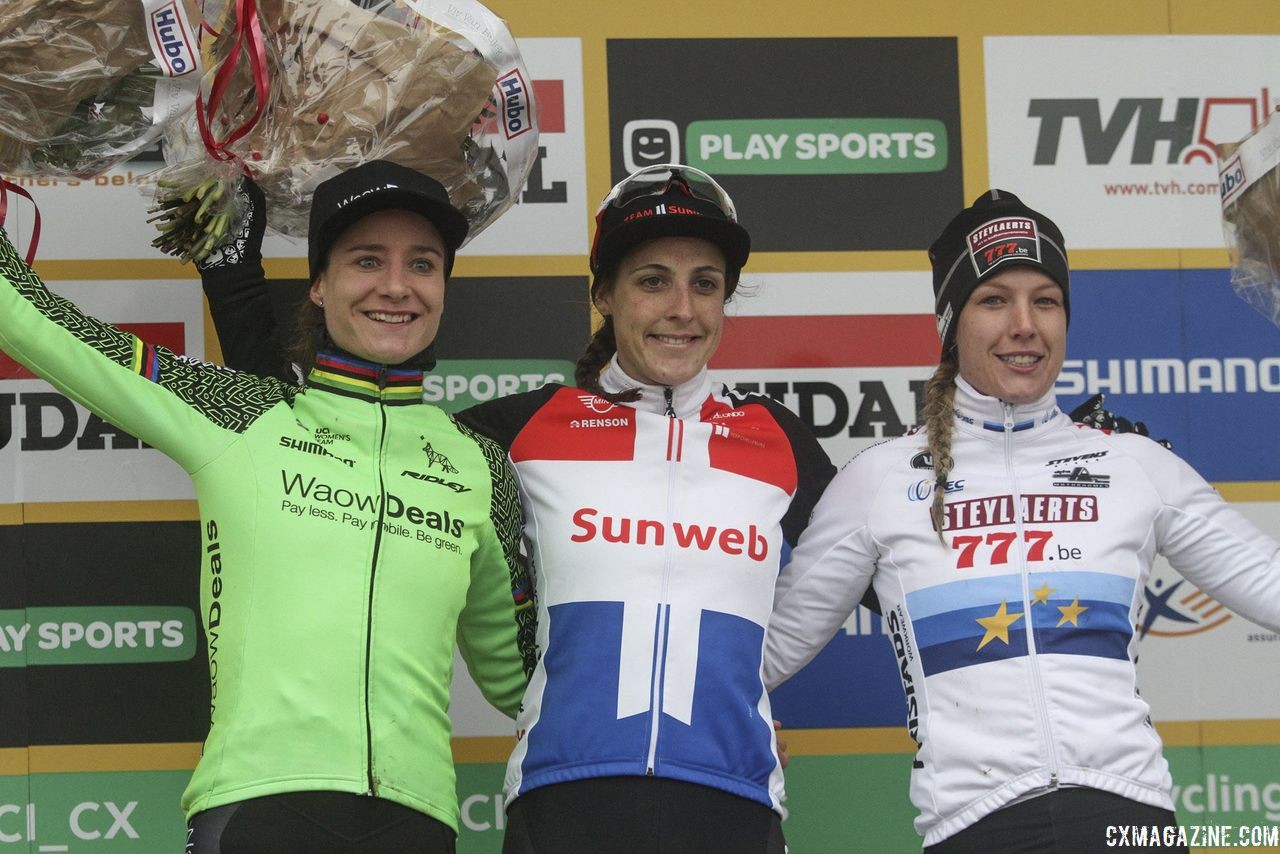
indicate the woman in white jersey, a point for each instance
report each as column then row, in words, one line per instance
column 1011, row 597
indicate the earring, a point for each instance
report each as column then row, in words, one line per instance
column 320, row 304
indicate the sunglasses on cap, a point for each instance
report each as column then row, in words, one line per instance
column 660, row 179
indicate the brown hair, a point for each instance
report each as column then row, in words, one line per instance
column 306, row 335
column 939, row 417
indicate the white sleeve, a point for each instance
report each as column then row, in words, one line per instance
column 830, row 569
column 1212, row 545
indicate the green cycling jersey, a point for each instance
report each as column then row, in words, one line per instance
column 351, row 534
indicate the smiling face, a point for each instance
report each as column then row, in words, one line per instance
column 382, row 289
column 667, row 304
column 1012, row 335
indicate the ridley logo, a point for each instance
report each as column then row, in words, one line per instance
column 437, row 460
column 172, row 40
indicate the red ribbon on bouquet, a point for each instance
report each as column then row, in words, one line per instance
column 246, row 37
column 5, row 187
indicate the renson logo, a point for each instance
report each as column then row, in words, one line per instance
column 1188, row 127
column 654, row 532
column 1169, row 376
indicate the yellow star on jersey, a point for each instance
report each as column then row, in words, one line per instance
column 1040, row 596
column 1071, row 613
column 997, row 625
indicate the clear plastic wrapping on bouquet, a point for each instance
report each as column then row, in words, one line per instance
column 436, row 86
column 85, row 84
column 1249, row 177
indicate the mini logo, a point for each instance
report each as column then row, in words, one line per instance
column 1080, row 476
column 596, row 404
column 172, row 39
column 922, row 460
column 515, row 104
column 1231, row 179
column 436, row 460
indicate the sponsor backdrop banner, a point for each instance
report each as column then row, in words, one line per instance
column 824, row 144
column 1132, row 165
column 841, row 142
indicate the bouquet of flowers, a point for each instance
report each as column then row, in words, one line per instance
column 329, row 84
column 1249, row 177
column 85, row 84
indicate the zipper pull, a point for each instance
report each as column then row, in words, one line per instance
column 668, row 393
column 382, row 377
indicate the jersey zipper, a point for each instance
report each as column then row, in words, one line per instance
column 675, row 438
column 373, row 577
column 1042, row 711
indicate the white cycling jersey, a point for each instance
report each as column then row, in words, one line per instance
column 1016, row 641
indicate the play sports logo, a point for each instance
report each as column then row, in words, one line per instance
column 818, row 146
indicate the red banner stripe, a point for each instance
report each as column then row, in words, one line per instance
column 828, row 341
column 550, row 95
column 171, row 335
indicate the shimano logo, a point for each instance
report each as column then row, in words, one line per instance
column 169, row 31
column 516, row 108
column 1170, row 376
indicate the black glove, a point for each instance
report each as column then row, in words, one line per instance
column 1092, row 414
column 246, row 245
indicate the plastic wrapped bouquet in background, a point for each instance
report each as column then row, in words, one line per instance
column 301, row 89
column 86, row 84
column 1249, row 177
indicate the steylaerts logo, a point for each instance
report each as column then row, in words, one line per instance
column 438, row 460
column 1082, row 477
column 1171, row 611
column 1007, row 239
column 515, row 104
column 171, row 36
column 817, row 146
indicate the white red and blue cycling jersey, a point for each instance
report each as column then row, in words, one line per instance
column 656, row 530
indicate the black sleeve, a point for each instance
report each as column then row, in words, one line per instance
column 502, row 419
column 247, row 320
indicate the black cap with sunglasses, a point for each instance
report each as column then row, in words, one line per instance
column 667, row 200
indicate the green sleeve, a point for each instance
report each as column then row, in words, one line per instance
column 497, row 631
column 188, row 410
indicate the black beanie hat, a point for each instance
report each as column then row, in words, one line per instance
column 996, row 232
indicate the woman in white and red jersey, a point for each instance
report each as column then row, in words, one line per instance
column 1012, row 598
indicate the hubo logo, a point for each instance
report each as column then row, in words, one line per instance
column 823, row 146
column 96, row 635
column 1172, row 611
column 171, row 39
column 1189, row 127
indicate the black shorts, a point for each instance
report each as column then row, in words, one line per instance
column 317, row 823
column 639, row 815
column 1068, row 821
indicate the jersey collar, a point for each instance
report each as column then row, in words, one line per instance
column 341, row 373
column 686, row 398
column 989, row 413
